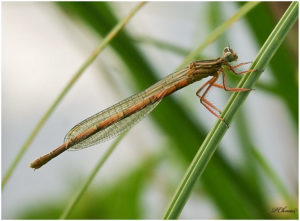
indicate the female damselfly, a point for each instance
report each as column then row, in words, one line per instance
column 123, row 115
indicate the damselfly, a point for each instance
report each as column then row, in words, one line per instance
column 123, row 115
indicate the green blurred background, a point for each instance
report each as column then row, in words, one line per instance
column 44, row 44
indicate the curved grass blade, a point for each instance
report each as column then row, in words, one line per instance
column 209, row 145
column 162, row 45
column 274, row 178
column 91, row 13
column 219, row 30
column 285, row 86
column 68, row 210
column 92, row 57
column 250, row 176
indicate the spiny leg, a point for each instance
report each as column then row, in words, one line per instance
column 241, row 64
column 210, row 81
column 202, row 99
column 232, row 68
column 209, row 106
column 231, row 89
column 226, row 88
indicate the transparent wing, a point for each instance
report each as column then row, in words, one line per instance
column 112, row 130
column 125, row 123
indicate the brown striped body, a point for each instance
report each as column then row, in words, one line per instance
column 196, row 71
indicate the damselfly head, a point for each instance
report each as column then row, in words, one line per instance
column 229, row 55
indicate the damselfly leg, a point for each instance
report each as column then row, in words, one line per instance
column 212, row 83
column 207, row 104
column 114, row 120
column 232, row 68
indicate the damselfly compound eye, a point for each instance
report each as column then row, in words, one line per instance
column 229, row 55
column 123, row 115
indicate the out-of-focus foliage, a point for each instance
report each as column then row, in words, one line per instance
column 118, row 200
column 237, row 193
column 186, row 134
column 283, row 65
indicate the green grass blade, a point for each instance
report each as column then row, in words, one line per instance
column 251, row 174
column 274, row 178
column 162, row 45
column 119, row 198
column 254, row 194
column 283, row 85
column 209, row 145
column 185, row 133
column 92, row 57
column 219, row 30
column 68, row 210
